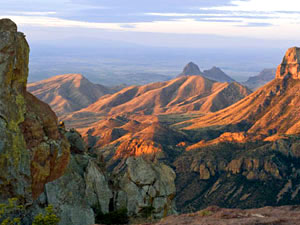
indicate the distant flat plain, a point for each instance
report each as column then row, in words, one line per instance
column 114, row 64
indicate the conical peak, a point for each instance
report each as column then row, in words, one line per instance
column 191, row 69
column 290, row 66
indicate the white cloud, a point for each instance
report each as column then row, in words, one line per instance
column 45, row 21
column 31, row 13
column 261, row 5
column 230, row 21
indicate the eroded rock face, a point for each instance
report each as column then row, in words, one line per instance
column 14, row 161
column 290, row 65
column 239, row 175
column 32, row 150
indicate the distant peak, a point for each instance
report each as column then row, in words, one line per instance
column 192, row 64
column 191, row 69
column 290, row 66
column 214, row 68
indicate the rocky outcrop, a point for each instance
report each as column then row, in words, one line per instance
column 32, row 151
column 145, row 188
column 239, row 175
column 82, row 189
column 290, row 66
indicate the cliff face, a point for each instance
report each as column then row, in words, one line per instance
column 14, row 163
column 32, row 152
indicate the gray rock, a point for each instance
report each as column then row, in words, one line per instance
column 97, row 191
column 82, row 188
column 147, row 184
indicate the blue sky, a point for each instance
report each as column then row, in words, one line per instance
column 159, row 22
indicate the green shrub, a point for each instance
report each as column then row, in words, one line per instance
column 116, row 217
column 11, row 213
column 48, row 218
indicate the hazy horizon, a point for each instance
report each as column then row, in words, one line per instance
column 104, row 38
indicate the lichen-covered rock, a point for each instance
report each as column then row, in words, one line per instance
column 14, row 160
column 32, row 150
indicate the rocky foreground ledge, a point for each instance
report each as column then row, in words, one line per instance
column 285, row 215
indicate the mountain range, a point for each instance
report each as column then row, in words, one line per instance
column 185, row 94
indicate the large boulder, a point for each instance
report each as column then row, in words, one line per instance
column 146, row 187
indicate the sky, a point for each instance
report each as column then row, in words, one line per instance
column 241, row 36
column 180, row 23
